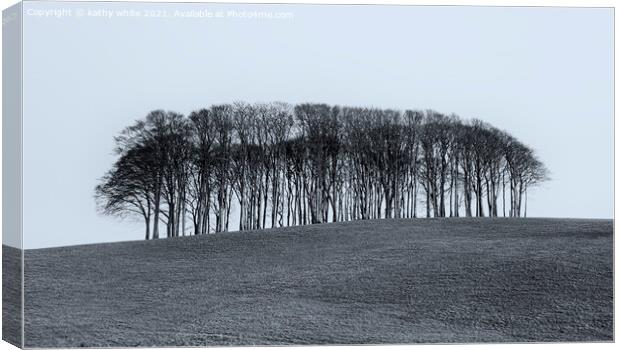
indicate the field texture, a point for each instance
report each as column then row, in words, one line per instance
column 384, row 281
column 12, row 295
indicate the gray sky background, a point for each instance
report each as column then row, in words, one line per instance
column 543, row 74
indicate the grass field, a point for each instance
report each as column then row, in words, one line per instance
column 12, row 295
column 383, row 281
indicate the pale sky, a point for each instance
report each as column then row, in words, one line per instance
column 543, row 74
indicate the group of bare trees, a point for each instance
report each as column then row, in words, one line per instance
column 276, row 165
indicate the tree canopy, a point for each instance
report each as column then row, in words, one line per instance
column 280, row 165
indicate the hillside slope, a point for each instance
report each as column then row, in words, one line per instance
column 383, row 281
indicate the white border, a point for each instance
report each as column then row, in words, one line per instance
column 535, row 3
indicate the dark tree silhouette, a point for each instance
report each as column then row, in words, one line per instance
column 277, row 165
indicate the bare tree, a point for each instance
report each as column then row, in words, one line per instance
column 280, row 165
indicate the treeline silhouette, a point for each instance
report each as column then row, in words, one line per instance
column 281, row 165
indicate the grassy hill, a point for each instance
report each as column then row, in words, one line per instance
column 383, row 281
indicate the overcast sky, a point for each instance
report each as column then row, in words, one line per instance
column 543, row 74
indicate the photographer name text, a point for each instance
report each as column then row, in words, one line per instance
column 133, row 13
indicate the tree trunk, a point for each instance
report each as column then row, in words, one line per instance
column 156, row 214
